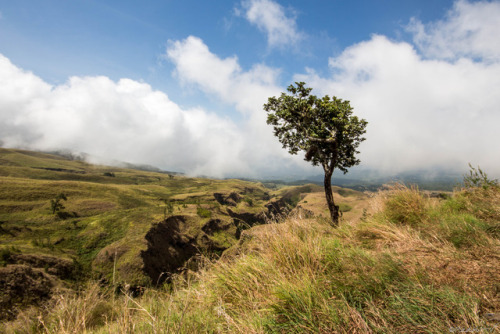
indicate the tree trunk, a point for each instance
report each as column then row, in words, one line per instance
column 334, row 209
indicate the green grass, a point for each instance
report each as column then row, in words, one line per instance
column 101, row 210
column 411, row 265
column 303, row 276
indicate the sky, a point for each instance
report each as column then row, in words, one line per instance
column 180, row 85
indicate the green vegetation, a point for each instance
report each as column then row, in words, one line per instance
column 56, row 205
column 60, row 216
column 106, row 204
column 324, row 128
column 168, row 208
column 203, row 213
column 477, row 178
column 412, row 264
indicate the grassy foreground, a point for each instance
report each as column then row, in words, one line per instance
column 411, row 264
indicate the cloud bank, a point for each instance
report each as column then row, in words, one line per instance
column 469, row 30
column 124, row 120
column 129, row 121
column 436, row 108
column 431, row 102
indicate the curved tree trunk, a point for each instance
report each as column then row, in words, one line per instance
column 334, row 209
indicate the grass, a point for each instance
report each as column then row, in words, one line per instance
column 400, row 262
column 395, row 271
column 106, row 214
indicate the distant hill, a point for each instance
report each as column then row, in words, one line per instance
column 372, row 180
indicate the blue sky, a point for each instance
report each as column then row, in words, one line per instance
column 180, row 84
column 57, row 39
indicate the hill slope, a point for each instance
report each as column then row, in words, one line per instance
column 121, row 226
column 410, row 264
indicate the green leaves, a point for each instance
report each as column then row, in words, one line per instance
column 56, row 205
column 324, row 127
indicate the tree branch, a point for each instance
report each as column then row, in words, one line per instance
column 322, row 140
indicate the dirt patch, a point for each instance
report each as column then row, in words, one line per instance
column 216, row 225
column 22, row 286
column 61, row 268
column 231, row 199
column 168, row 248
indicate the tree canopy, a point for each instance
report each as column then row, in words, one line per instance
column 324, row 128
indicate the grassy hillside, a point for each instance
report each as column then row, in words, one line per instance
column 115, row 225
column 407, row 264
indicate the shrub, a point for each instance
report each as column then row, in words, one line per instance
column 345, row 207
column 405, row 205
column 478, row 179
column 203, row 213
column 5, row 256
column 249, row 201
column 56, row 205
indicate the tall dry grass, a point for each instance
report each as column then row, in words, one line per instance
column 412, row 266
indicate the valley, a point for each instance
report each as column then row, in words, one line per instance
column 64, row 221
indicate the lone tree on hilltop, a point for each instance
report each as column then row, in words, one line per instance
column 322, row 127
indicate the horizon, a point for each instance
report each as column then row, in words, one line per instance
column 180, row 86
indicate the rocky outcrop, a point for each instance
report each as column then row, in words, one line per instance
column 302, row 212
column 231, row 199
column 248, row 217
column 169, row 247
column 62, row 268
column 277, row 208
column 22, row 286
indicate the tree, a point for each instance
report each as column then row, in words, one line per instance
column 168, row 208
column 322, row 127
column 56, row 205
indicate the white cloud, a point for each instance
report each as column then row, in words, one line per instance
column 124, row 120
column 422, row 112
column 247, row 91
column 469, row 30
column 128, row 121
column 432, row 103
column 223, row 77
column 270, row 17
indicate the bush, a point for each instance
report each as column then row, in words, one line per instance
column 203, row 213
column 56, row 205
column 405, row 205
column 5, row 256
column 478, row 179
